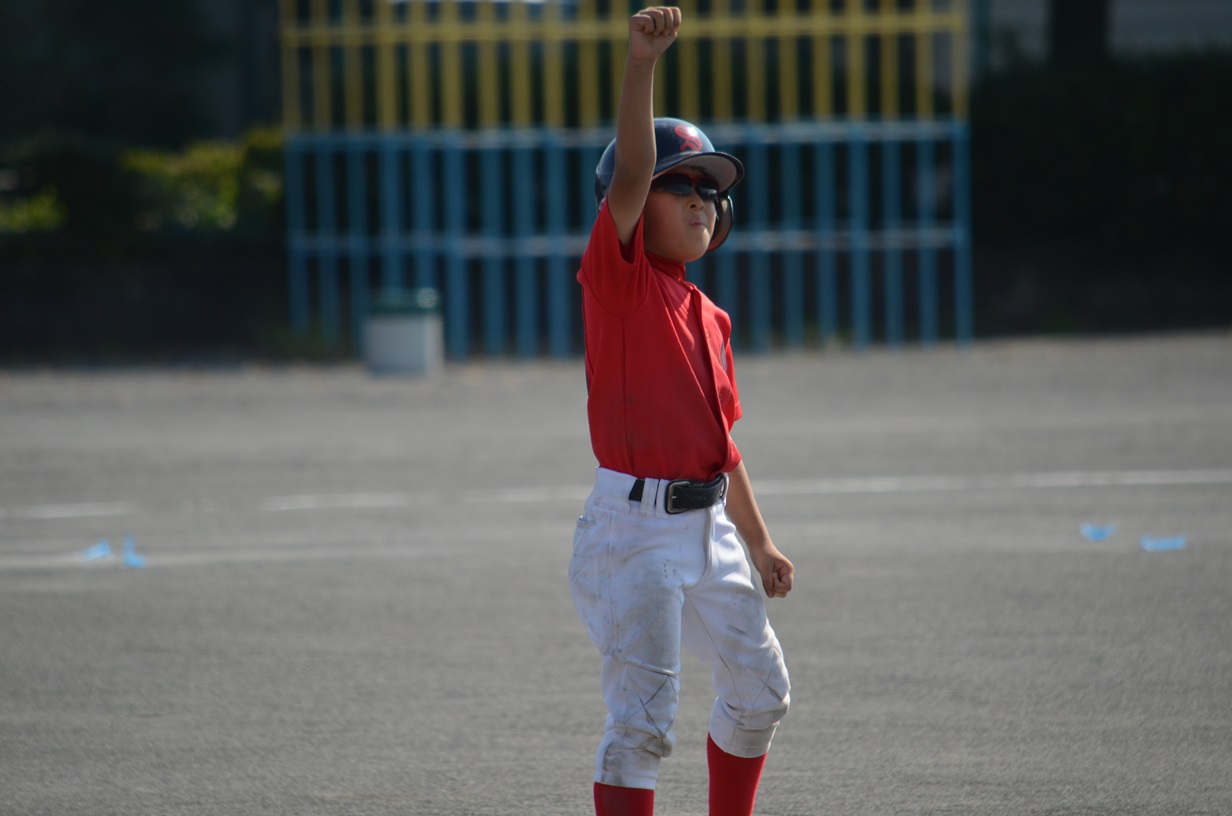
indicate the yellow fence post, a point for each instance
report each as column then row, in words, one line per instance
column 322, row 80
column 959, row 48
column 823, row 67
column 553, row 66
column 924, row 60
column 856, row 81
column 520, row 75
column 386, row 78
column 489, row 68
column 889, row 62
column 451, row 78
column 588, row 67
column 788, row 71
column 755, row 69
column 353, row 65
column 689, row 73
column 418, row 81
column 720, row 85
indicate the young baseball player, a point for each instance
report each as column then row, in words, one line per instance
column 656, row 559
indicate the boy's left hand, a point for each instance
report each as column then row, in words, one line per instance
column 777, row 573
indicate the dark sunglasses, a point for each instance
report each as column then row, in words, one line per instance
column 679, row 184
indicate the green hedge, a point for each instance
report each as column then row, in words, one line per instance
column 108, row 253
column 102, row 200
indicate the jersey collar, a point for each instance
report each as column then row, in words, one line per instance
column 673, row 269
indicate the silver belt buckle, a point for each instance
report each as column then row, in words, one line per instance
column 670, row 504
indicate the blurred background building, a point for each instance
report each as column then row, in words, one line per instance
column 1015, row 30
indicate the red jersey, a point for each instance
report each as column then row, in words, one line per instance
column 659, row 369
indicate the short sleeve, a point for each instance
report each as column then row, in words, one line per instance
column 616, row 276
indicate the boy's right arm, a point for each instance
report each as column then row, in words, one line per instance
column 651, row 32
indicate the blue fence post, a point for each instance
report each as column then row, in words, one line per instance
column 457, row 303
column 589, row 157
column 357, row 237
column 393, row 278
column 727, row 283
column 926, row 160
column 492, row 180
column 964, row 305
column 891, row 195
column 297, row 227
column 725, row 271
column 861, row 279
column 423, row 200
column 825, row 183
column 759, row 275
column 557, row 227
column 793, row 263
column 588, row 160
column 525, row 267
column 327, row 230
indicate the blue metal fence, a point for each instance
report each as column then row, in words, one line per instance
column 831, row 219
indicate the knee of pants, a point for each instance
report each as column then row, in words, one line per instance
column 643, row 700
column 760, row 710
column 778, row 712
column 746, row 731
column 767, row 713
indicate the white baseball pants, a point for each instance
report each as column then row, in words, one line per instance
column 645, row 582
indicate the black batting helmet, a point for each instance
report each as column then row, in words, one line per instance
column 679, row 142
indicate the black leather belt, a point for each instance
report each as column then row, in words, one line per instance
column 683, row 495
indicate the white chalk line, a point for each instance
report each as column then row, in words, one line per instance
column 796, row 487
column 42, row 512
column 870, row 485
column 875, row 485
column 336, row 501
column 1006, row 481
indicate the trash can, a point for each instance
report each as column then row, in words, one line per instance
column 403, row 334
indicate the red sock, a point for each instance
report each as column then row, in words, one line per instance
column 733, row 781
column 613, row 801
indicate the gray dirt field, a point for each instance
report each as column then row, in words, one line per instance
column 355, row 599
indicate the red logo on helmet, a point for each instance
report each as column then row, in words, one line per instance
column 690, row 139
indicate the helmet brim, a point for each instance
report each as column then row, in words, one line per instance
column 724, row 168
